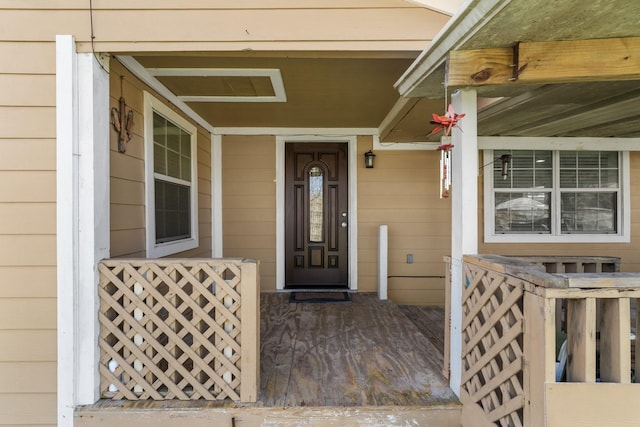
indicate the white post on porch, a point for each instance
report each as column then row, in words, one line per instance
column 464, row 215
column 82, row 199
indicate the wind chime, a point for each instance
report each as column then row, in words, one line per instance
column 445, row 123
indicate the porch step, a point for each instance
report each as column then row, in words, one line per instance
column 177, row 414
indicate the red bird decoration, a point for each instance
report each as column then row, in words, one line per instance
column 446, row 122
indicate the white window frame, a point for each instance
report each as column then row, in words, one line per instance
column 156, row 250
column 624, row 211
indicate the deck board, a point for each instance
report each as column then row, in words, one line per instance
column 364, row 353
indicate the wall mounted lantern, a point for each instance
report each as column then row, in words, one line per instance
column 368, row 159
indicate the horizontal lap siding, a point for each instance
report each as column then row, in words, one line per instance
column 380, row 25
column 249, row 202
column 27, row 234
column 401, row 191
column 127, row 209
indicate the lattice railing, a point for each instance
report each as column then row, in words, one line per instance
column 179, row 329
column 492, row 345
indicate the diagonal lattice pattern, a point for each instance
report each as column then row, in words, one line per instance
column 170, row 329
column 492, row 341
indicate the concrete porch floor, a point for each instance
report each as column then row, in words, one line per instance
column 358, row 363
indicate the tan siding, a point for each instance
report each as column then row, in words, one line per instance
column 28, row 409
column 402, row 192
column 24, row 90
column 185, row 25
column 37, row 346
column 28, row 377
column 27, row 314
column 30, row 281
column 27, row 218
column 27, row 154
column 28, row 58
column 249, row 202
column 127, row 209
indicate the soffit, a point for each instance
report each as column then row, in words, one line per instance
column 325, row 89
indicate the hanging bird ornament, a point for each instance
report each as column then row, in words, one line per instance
column 445, row 123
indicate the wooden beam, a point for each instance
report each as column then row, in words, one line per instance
column 547, row 62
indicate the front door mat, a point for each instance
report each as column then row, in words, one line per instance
column 319, row 297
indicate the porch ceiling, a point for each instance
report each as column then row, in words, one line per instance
column 355, row 89
column 319, row 89
column 598, row 104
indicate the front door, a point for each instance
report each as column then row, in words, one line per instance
column 316, row 218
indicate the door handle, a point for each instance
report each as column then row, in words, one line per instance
column 343, row 224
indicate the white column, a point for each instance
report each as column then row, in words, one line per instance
column 464, row 215
column 383, row 261
column 82, row 173
column 216, row 196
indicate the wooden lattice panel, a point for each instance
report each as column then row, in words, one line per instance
column 170, row 329
column 492, row 341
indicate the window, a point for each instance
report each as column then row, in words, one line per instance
column 170, row 162
column 555, row 196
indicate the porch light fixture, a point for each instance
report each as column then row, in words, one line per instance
column 368, row 159
column 122, row 121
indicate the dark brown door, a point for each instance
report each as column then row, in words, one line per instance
column 316, row 219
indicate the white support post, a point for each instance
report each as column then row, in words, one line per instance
column 464, row 215
column 216, row 196
column 82, row 173
column 383, row 259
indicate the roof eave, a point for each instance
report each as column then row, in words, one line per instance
column 425, row 76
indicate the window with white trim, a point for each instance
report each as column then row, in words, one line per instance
column 171, row 190
column 555, row 196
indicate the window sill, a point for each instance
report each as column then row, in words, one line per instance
column 171, row 248
column 546, row 238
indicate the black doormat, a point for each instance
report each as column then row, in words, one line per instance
column 319, row 297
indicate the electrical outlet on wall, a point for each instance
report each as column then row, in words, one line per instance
column 409, row 258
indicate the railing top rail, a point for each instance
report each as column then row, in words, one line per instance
column 535, row 273
column 185, row 261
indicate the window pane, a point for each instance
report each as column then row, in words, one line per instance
column 609, row 178
column 173, row 137
column 172, row 211
column 159, row 159
column 316, row 212
column 609, row 159
column 173, row 164
column 185, row 168
column 159, row 129
column 588, row 179
column 528, row 169
column 589, row 169
column 589, row 212
column 523, row 213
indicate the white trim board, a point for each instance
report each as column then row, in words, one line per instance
column 139, row 71
column 274, row 75
column 557, row 143
column 82, row 221
column 352, row 142
column 304, row 133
